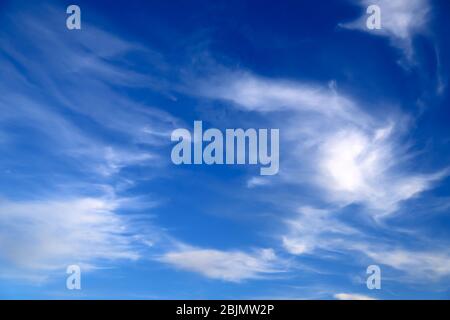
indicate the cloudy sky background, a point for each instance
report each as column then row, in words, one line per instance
column 86, row 176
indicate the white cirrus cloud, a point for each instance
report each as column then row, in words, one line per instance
column 431, row 265
column 48, row 235
column 233, row 266
column 363, row 167
column 311, row 229
column 352, row 296
column 253, row 93
column 400, row 21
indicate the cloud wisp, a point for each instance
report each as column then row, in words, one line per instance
column 352, row 296
column 233, row 266
column 50, row 235
column 401, row 20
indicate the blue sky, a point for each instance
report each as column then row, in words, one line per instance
column 86, row 174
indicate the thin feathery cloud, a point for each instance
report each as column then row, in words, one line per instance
column 315, row 230
column 77, row 73
column 257, row 182
column 352, row 296
column 233, row 266
column 49, row 235
column 253, row 93
column 416, row 265
column 401, row 20
column 312, row 229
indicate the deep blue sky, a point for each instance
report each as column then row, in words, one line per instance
column 86, row 175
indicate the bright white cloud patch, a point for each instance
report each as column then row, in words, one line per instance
column 233, row 266
column 47, row 235
column 352, row 296
column 358, row 166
